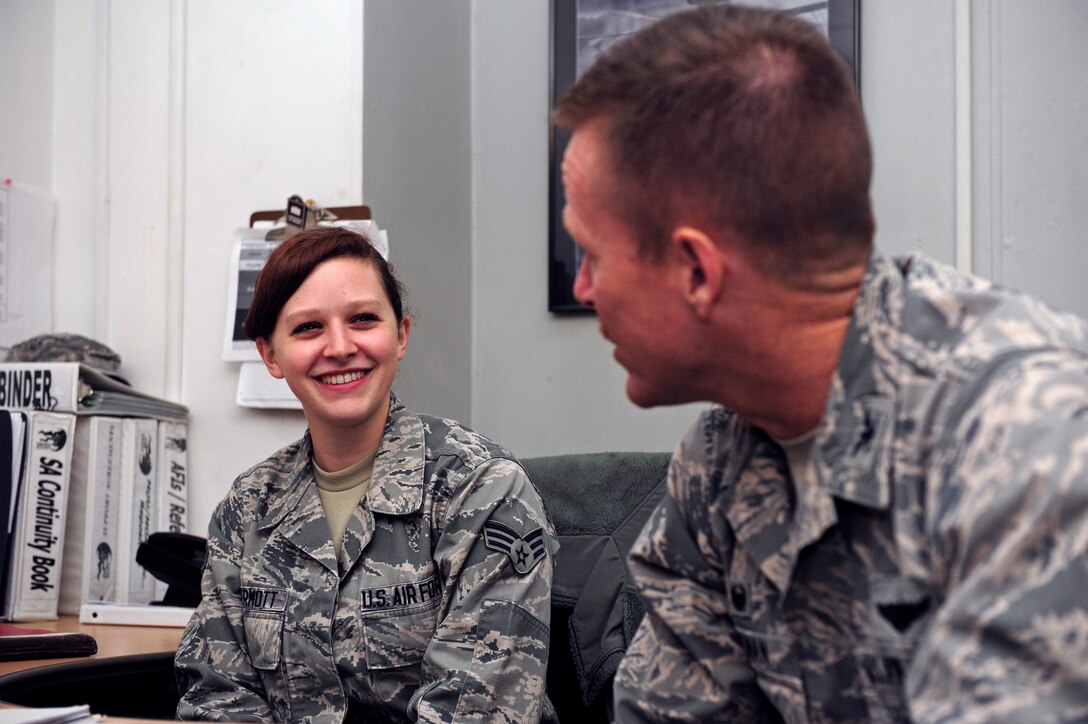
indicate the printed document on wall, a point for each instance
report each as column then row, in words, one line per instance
column 247, row 258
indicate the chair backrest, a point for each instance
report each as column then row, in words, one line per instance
column 598, row 503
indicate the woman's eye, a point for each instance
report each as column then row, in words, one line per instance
column 364, row 318
column 305, row 327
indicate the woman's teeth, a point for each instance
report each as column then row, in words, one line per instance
column 342, row 379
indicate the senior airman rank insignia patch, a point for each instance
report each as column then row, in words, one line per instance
column 524, row 551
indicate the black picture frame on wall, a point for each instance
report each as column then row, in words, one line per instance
column 843, row 28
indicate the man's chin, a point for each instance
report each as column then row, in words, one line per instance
column 645, row 396
column 641, row 396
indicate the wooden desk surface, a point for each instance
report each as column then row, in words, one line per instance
column 113, row 640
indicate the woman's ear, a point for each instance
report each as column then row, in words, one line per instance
column 268, row 356
column 701, row 271
column 403, row 328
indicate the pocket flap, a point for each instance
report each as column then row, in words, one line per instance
column 264, row 639
column 399, row 639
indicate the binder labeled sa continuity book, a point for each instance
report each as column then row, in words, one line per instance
column 37, row 545
column 74, row 387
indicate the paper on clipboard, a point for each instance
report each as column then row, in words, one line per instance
column 257, row 388
column 247, row 258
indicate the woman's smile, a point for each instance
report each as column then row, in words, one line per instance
column 342, row 378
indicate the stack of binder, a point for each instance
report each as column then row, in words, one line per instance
column 94, row 468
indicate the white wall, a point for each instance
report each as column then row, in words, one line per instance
column 159, row 125
column 908, row 95
column 1004, row 194
column 542, row 383
column 171, row 121
column 456, row 138
column 417, row 177
column 1030, row 150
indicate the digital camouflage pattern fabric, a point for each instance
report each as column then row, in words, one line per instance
column 930, row 564
column 65, row 347
column 417, row 619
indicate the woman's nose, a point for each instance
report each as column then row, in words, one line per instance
column 338, row 342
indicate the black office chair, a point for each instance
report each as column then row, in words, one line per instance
column 598, row 503
column 140, row 686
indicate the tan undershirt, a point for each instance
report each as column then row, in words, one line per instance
column 798, row 452
column 810, row 501
column 340, row 493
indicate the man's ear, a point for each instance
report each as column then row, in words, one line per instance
column 701, row 269
column 268, row 356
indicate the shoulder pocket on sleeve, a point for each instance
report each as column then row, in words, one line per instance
column 508, row 630
column 506, row 679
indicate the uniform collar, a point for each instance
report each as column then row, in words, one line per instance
column 854, row 446
column 298, row 512
column 397, row 481
column 762, row 509
column 298, row 478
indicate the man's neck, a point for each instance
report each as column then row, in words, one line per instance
column 781, row 382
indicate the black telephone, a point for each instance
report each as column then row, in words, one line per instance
column 177, row 560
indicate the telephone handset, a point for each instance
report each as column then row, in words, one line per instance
column 176, row 559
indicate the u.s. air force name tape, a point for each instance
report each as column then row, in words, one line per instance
column 400, row 595
column 524, row 551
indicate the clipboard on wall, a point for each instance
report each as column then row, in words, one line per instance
column 302, row 215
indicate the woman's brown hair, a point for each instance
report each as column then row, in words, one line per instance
column 293, row 260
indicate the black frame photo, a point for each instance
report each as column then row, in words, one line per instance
column 572, row 53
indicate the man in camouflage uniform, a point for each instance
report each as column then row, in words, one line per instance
column 884, row 517
column 436, row 610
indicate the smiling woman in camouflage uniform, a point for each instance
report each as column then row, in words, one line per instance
column 387, row 566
